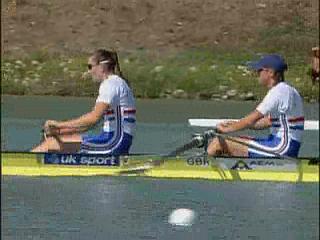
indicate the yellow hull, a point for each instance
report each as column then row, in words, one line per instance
column 27, row 164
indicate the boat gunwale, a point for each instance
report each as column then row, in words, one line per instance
column 316, row 159
column 54, row 170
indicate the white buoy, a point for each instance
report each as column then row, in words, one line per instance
column 182, row 217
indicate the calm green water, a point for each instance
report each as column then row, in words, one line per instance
column 138, row 208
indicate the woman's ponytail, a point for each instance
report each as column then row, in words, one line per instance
column 116, row 60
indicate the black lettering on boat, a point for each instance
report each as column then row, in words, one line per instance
column 266, row 163
column 198, row 161
column 241, row 165
column 190, row 161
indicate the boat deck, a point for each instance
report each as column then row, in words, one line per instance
column 194, row 167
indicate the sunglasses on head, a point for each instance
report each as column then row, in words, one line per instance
column 91, row 65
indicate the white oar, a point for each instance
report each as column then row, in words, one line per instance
column 308, row 124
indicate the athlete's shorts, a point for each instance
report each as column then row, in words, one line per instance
column 274, row 144
column 106, row 143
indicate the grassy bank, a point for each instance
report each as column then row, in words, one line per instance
column 194, row 73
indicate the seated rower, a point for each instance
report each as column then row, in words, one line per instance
column 115, row 104
column 281, row 110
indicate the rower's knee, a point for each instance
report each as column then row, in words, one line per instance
column 210, row 151
column 44, row 146
column 51, row 144
column 213, row 147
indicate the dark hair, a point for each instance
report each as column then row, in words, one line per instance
column 101, row 55
column 280, row 76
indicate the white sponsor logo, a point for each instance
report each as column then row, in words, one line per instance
column 69, row 159
column 98, row 160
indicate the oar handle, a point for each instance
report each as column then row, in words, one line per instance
column 211, row 133
column 45, row 136
column 196, row 141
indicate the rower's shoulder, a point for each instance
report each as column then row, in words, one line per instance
column 284, row 86
column 285, row 91
column 113, row 80
column 117, row 80
column 281, row 91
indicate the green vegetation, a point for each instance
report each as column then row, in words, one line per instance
column 193, row 73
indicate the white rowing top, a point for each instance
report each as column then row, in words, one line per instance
column 285, row 107
column 121, row 117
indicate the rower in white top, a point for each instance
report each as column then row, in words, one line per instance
column 119, row 119
column 115, row 104
column 281, row 110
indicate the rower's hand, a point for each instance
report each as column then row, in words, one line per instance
column 51, row 124
column 224, row 128
column 51, row 127
column 227, row 123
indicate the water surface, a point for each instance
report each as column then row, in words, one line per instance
column 138, row 208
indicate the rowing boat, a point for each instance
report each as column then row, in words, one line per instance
column 196, row 166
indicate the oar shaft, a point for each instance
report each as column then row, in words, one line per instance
column 196, row 141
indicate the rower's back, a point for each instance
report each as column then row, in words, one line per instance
column 285, row 106
column 121, row 116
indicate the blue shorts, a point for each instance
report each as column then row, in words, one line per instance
column 107, row 143
column 283, row 147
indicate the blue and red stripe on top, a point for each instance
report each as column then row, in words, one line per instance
column 290, row 120
column 129, row 115
column 129, row 111
column 292, row 123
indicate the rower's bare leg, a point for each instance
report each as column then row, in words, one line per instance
column 48, row 143
column 66, row 144
column 220, row 146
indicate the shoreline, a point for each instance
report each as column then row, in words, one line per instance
column 204, row 74
column 145, row 99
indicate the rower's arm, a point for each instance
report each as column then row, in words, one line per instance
column 262, row 123
column 244, row 123
column 88, row 119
